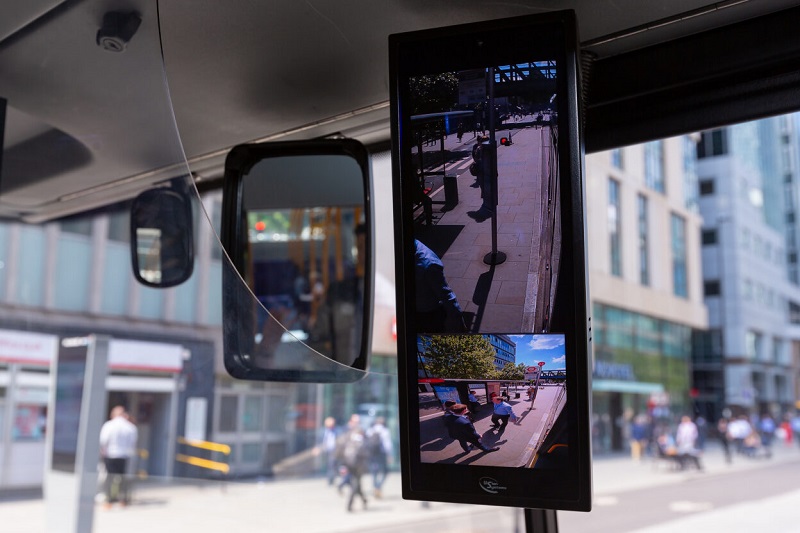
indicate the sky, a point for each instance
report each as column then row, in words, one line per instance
column 534, row 348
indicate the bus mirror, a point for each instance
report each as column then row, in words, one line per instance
column 162, row 237
column 297, row 293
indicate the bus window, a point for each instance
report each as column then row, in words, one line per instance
column 691, row 266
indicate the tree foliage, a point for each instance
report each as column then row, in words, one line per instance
column 513, row 372
column 433, row 94
column 460, row 357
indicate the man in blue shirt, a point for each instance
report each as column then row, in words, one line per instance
column 502, row 412
column 437, row 307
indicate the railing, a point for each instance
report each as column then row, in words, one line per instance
column 555, row 410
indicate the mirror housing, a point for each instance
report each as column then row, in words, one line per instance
column 296, row 226
column 162, row 237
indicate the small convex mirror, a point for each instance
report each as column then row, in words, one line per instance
column 296, row 227
column 162, row 237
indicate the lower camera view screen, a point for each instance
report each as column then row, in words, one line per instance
column 472, row 414
column 493, row 328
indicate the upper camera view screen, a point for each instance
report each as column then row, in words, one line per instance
column 484, row 163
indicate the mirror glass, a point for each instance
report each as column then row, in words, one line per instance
column 161, row 237
column 302, row 250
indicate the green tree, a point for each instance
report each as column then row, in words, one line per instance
column 433, row 94
column 460, row 357
column 513, row 372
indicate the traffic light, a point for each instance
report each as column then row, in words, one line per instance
column 505, row 141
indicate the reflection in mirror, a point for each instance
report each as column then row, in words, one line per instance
column 162, row 237
column 305, row 269
column 301, row 244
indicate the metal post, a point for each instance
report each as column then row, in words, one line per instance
column 494, row 257
column 540, row 521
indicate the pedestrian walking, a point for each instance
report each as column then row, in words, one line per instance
column 380, row 448
column 724, row 438
column 464, row 432
column 118, row 442
column 353, row 456
column 766, row 430
column 327, row 448
column 686, row 443
column 502, row 413
column 639, row 437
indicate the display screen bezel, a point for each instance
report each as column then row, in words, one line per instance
column 455, row 49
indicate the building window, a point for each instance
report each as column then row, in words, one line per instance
column 253, row 414
column 616, row 158
column 712, row 143
column 794, row 312
column 777, row 350
column 644, row 264
column 654, row 165
column 252, row 452
column 228, row 413
column 753, row 342
column 707, row 345
column 708, row 237
column 706, row 187
column 711, row 288
column 79, row 225
column 614, row 227
column 680, row 285
column 119, row 225
column 747, row 289
column 690, row 173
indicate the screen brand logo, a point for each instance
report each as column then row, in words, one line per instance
column 490, row 485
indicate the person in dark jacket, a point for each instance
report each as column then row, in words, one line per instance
column 462, row 430
column 438, row 310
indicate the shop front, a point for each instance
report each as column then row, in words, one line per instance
column 143, row 376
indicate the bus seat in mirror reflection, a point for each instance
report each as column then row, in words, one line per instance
column 306, row 271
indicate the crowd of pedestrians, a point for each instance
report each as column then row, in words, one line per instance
column 684, row 442
column 354, row 451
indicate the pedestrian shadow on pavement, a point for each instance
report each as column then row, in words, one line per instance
column 436, row 445
column 481, row 296
column 465, row 458
column 490, row 439
column 524, row 414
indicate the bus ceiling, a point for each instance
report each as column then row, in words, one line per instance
column 192, row 81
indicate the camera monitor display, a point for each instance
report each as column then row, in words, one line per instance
column 493, row 327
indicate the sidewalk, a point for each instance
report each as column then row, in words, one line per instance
column 503, row 297
column 310, row 505
column 619, row 473
column 517, row 443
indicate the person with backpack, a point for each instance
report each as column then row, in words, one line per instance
column 352, row 455
column 379, row 447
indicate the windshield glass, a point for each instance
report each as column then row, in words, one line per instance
column 693, row 275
